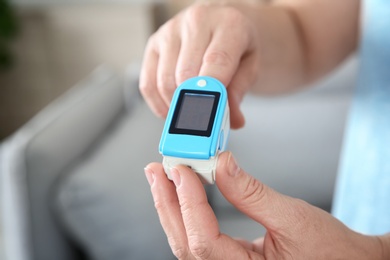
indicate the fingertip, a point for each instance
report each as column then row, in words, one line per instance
column 185, row 174
column 155, row 172
column 187, row 181
column 162, row 113
column 166, row 86
column 222, row 164
column 154, row 167
column 226, row 163
column 157, row 106
column 175, row 177
column 149, row 173
column 223, row 158
column 237, row 120
column 151, row 96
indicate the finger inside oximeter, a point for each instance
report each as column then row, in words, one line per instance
column 197, row 127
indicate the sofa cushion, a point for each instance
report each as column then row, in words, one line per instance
column 37, row 154
column 106, row 202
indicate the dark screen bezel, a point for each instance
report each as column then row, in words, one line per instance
column 174, row 130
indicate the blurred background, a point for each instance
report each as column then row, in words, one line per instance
column 75, row 133
column 52, row 44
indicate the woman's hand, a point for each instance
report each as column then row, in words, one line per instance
column 295, row 229
column 204, row 40
column 269, row 48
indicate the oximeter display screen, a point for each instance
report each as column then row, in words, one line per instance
column 195, row 112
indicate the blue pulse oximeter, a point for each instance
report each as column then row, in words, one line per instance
column 197, row 127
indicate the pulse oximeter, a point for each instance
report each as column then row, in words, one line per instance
column 197, row 127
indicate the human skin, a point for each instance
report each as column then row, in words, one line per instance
column 267, row 49
column 295, row 229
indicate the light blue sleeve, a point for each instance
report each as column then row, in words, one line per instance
column 362, row 197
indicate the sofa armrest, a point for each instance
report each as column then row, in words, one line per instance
column 36, row 155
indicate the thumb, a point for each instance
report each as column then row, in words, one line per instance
column 256, row 200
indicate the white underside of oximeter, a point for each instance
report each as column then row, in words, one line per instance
column 204, row 168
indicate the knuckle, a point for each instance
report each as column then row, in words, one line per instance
column 254, row 191
column 167, row 27
column 159, row 205
column 162, row 205
column 163, row 36
column 218, row 57
column 151, row 41
column 188, row 207
column 237, row 25
column 178, row 250
column 183, row 74
column 164, row 40
column 146, row 89
column 194, row 22
column 195, row 14
column 200, row 249
column 180, row 253
column 166, row 83
column 233, row 16
column 299, row 216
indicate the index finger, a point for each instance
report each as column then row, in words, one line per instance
column 198, row 216
column 148, row 81
column 167, row 205
column 228, row 44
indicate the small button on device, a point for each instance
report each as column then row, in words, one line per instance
column 202, row 83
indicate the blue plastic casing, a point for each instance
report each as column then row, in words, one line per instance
column 194, row 146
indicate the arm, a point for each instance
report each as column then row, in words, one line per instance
column 303, row 39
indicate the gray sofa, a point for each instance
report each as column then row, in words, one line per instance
column 72, row 179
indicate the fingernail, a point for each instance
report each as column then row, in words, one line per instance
column 149, row 175
column 175, row 176
column 233, row 168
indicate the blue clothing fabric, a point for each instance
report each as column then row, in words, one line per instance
column 362, row 196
